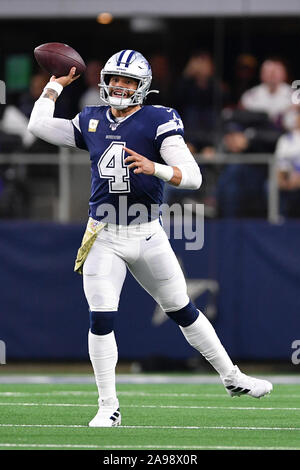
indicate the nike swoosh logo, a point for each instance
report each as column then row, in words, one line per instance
column 148, row 238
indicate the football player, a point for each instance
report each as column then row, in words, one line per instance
column 134, row 149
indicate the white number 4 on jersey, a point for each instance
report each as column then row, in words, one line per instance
column 111, row 166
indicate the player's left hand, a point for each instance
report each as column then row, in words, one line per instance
column 140, row 163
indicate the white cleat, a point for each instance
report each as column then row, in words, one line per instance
column 237, row 383
column 108, row 415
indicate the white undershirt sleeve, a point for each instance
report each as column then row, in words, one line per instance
column 43, row 125
column 175, row 152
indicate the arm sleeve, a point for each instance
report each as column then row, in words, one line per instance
column 43, row 125
column 175, row 152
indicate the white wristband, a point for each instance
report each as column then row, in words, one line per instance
column 55, row 86
column 164, row 172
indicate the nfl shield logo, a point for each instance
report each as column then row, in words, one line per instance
column 113, row 126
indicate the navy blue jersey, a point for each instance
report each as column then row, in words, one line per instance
column 112, row 183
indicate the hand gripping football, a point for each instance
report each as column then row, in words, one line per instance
column 57, row 59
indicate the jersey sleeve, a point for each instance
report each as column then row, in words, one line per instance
column 79, row 138
column 168, row 123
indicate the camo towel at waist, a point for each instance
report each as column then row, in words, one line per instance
column 92, row 229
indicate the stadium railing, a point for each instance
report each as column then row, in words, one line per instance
column 65, row 159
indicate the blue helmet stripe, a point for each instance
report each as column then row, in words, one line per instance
column 120, row 57
column 128, row 58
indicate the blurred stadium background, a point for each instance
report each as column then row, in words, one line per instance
column 205, row 56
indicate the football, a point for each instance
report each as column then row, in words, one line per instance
column 57, row 59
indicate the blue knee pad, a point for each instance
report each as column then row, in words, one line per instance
column 185, row 316
column 102, row 323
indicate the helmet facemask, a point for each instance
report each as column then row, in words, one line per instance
column 136, row 97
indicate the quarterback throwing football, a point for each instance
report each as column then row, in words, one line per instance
column 134, row 149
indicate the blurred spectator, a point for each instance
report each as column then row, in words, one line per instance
column 210, row 174
column 14, row 197
column 91, row 96
column 64, row 107
column 288, row 164
column 199, row 96
column 28, row 99
column 161, row 81
column 258, row 127
column 273, row 95
column 240, row 188
column 17, row 182
column 14, row 135
column 13, row 193
column 15, row 119
column 244, row 76
column 9, row 142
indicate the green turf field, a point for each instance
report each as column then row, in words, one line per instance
column 154, row 417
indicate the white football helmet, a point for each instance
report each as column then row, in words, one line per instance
column 127, row 63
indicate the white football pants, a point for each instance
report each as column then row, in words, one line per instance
column 145, row 250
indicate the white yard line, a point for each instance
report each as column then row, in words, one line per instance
column 222, row 428
column 129, row 394
column 213, row 407
column 90, row 393
column 48, row 394
column 197, row 407
column 123, row 393
column 48, row 404
column 149, row 447
column 136, row 379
